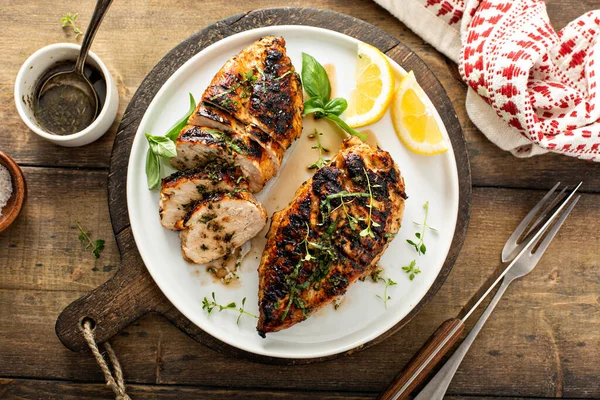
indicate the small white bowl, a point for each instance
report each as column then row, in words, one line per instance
column 36, row 65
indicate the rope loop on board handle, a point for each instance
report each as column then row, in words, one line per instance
column 116, row 382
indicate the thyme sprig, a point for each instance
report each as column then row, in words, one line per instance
column 388, row 282
column 69, row 20
column 246, row 81
column 419, row 246
column 412, row 269
column 210, row 305
column 321, row 161
column 368, row 231
column 84, row 237
column 325, row 205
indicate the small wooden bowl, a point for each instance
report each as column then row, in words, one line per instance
column 13, row 207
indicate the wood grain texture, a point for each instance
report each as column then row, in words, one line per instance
column 542, row 340
column 149, row 37
column 445, row 336
column 131, row 292
column 40, row 250
column 60, row 390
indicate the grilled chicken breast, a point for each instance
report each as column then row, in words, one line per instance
column 260, row 87
column 249, row 115
column 219, row 224
column 212, row 117
column 333, row 233
column 196, row 146
column 181, row 190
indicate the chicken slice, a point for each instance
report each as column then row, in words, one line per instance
column 260, row 87
column 220, row 224
column 196, row 146
column 182, row 190
column 333, row 233
column 212, row 117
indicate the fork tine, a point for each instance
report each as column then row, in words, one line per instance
column 559, row 197
column 541, row 248
column 512, row 247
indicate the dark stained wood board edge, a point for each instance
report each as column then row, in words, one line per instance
column 132, row 293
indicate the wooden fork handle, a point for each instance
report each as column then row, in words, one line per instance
column 449, row 331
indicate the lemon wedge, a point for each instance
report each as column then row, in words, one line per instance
column 374, row 80
column 416, row 121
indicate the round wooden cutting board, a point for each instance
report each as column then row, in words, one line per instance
column 131, row 292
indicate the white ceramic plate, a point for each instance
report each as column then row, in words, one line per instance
column 361, row 316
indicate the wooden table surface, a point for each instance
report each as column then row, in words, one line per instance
column 543, row 341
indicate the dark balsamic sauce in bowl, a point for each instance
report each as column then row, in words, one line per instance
column 65, row 109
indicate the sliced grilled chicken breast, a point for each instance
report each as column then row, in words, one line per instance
column 196, row 146
column 181, row 190
column 212, row 117
column 260, row 87
column 333, row 233
column 220, row 224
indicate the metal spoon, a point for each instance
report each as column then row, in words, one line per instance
column 75, row 86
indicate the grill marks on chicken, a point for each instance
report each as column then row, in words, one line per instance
column 214, row 118
column 260, row 87
column 198, row 145
column 321, row 243
column 233, row 144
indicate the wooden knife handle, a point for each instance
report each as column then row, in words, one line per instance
column 449, row 330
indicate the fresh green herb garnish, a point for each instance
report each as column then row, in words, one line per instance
column 367, row 231
column 291, row 282
column 322, row 255
column 173, row 133
column 70, row 21
column 419, row 245
column 246, row 81
column 96, row 245
column 321, row 161
column 316, row 84
column 233, row 88
column 388, row 282
column 412, row 269
column 326, row 202
column 164, row 146
column 230, row 144
column 209, row 306
column 376, row 274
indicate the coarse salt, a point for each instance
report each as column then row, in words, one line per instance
column 5, row 187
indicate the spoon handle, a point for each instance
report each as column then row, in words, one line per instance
column 97, row 17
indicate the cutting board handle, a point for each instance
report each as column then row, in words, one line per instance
column 127, row 296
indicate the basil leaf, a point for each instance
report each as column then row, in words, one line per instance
column 336, row 106
column 152, row 170
column 312, row 105
column 344, row 126
column 315, row 79
column 161, row 146
column 175, row 129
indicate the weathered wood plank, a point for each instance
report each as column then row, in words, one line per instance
column 64, row 390
column 41, row 249
column 130, row 60
column 551, row 348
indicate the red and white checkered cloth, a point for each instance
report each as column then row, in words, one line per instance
column 531, row 89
